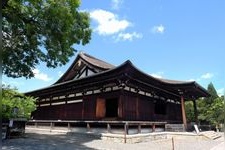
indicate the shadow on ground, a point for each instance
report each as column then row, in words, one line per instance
column 39, row 141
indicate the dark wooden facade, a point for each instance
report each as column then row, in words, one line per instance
column 92, row 89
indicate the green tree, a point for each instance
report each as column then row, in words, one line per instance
column 189, row 108
column 37, row 31
column 211, row 109
column 213, row 94
column 215, row 113
column 202, row 108
column 13, row 100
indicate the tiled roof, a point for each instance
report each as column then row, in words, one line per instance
column 95, row 61
column 174, row 81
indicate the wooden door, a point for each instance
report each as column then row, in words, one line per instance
column 100, row 108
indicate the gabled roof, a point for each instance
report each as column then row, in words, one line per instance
column 127, row 71
column 84, row 60
column 95, row 61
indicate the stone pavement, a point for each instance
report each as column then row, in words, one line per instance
column 220, row 146
column 43, row 140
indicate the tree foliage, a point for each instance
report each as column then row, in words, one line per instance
column 189, row 108
column 37, row 31
column 213, row 94
column 210, row 109
column 15, row 104
column 215, row 113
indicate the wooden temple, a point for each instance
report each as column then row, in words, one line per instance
column 94, row 90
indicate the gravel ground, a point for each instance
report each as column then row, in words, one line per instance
column 40, row 140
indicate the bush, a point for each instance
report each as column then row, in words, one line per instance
column 15, row 104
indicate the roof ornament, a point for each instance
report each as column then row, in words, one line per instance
column 79, row 63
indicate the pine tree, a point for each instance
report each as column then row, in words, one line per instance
column 213, row 94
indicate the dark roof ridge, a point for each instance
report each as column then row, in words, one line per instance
column 95, row 61
column 70, row 81
column 167, row 81
column 102, row 65
column 170, row 82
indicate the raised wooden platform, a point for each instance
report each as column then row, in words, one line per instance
column 126, row 125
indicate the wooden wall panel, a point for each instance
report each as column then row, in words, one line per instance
column 129, row 107
column 71, row 111
column 74, row 111
column 137, row 107
column 89, row 108
column 174, row 112
column 142, row 108
column 146, row 109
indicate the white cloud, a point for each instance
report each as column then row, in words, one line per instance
column 191, row 80
column 157, row 74
column 203, row 77
column 108, row 23
column 116, row 4
column 158, row 29
column 207, row 76
column 220, row 91
column 128, row 36
column 41, row 76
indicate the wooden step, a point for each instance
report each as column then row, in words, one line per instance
column 210, row 134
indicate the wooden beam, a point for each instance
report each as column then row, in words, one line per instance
column 184, row 119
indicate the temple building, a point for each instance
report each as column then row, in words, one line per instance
column 92, row 89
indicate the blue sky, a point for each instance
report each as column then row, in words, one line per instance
column 173, row 39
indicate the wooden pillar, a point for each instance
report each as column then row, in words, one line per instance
column 139, row 128
column 65, row 107
column 83, row 109
column 39, row 105
column 183, row 113
column 137, row 108
column 88, row 127
column 122, row 104
column 51, row 126
column 153, row 127
column 195, row 112
column 50, row 99
column 68, row 126
column 66, row 98
column 108, row 128
column 120, row 108
column 125, row 132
